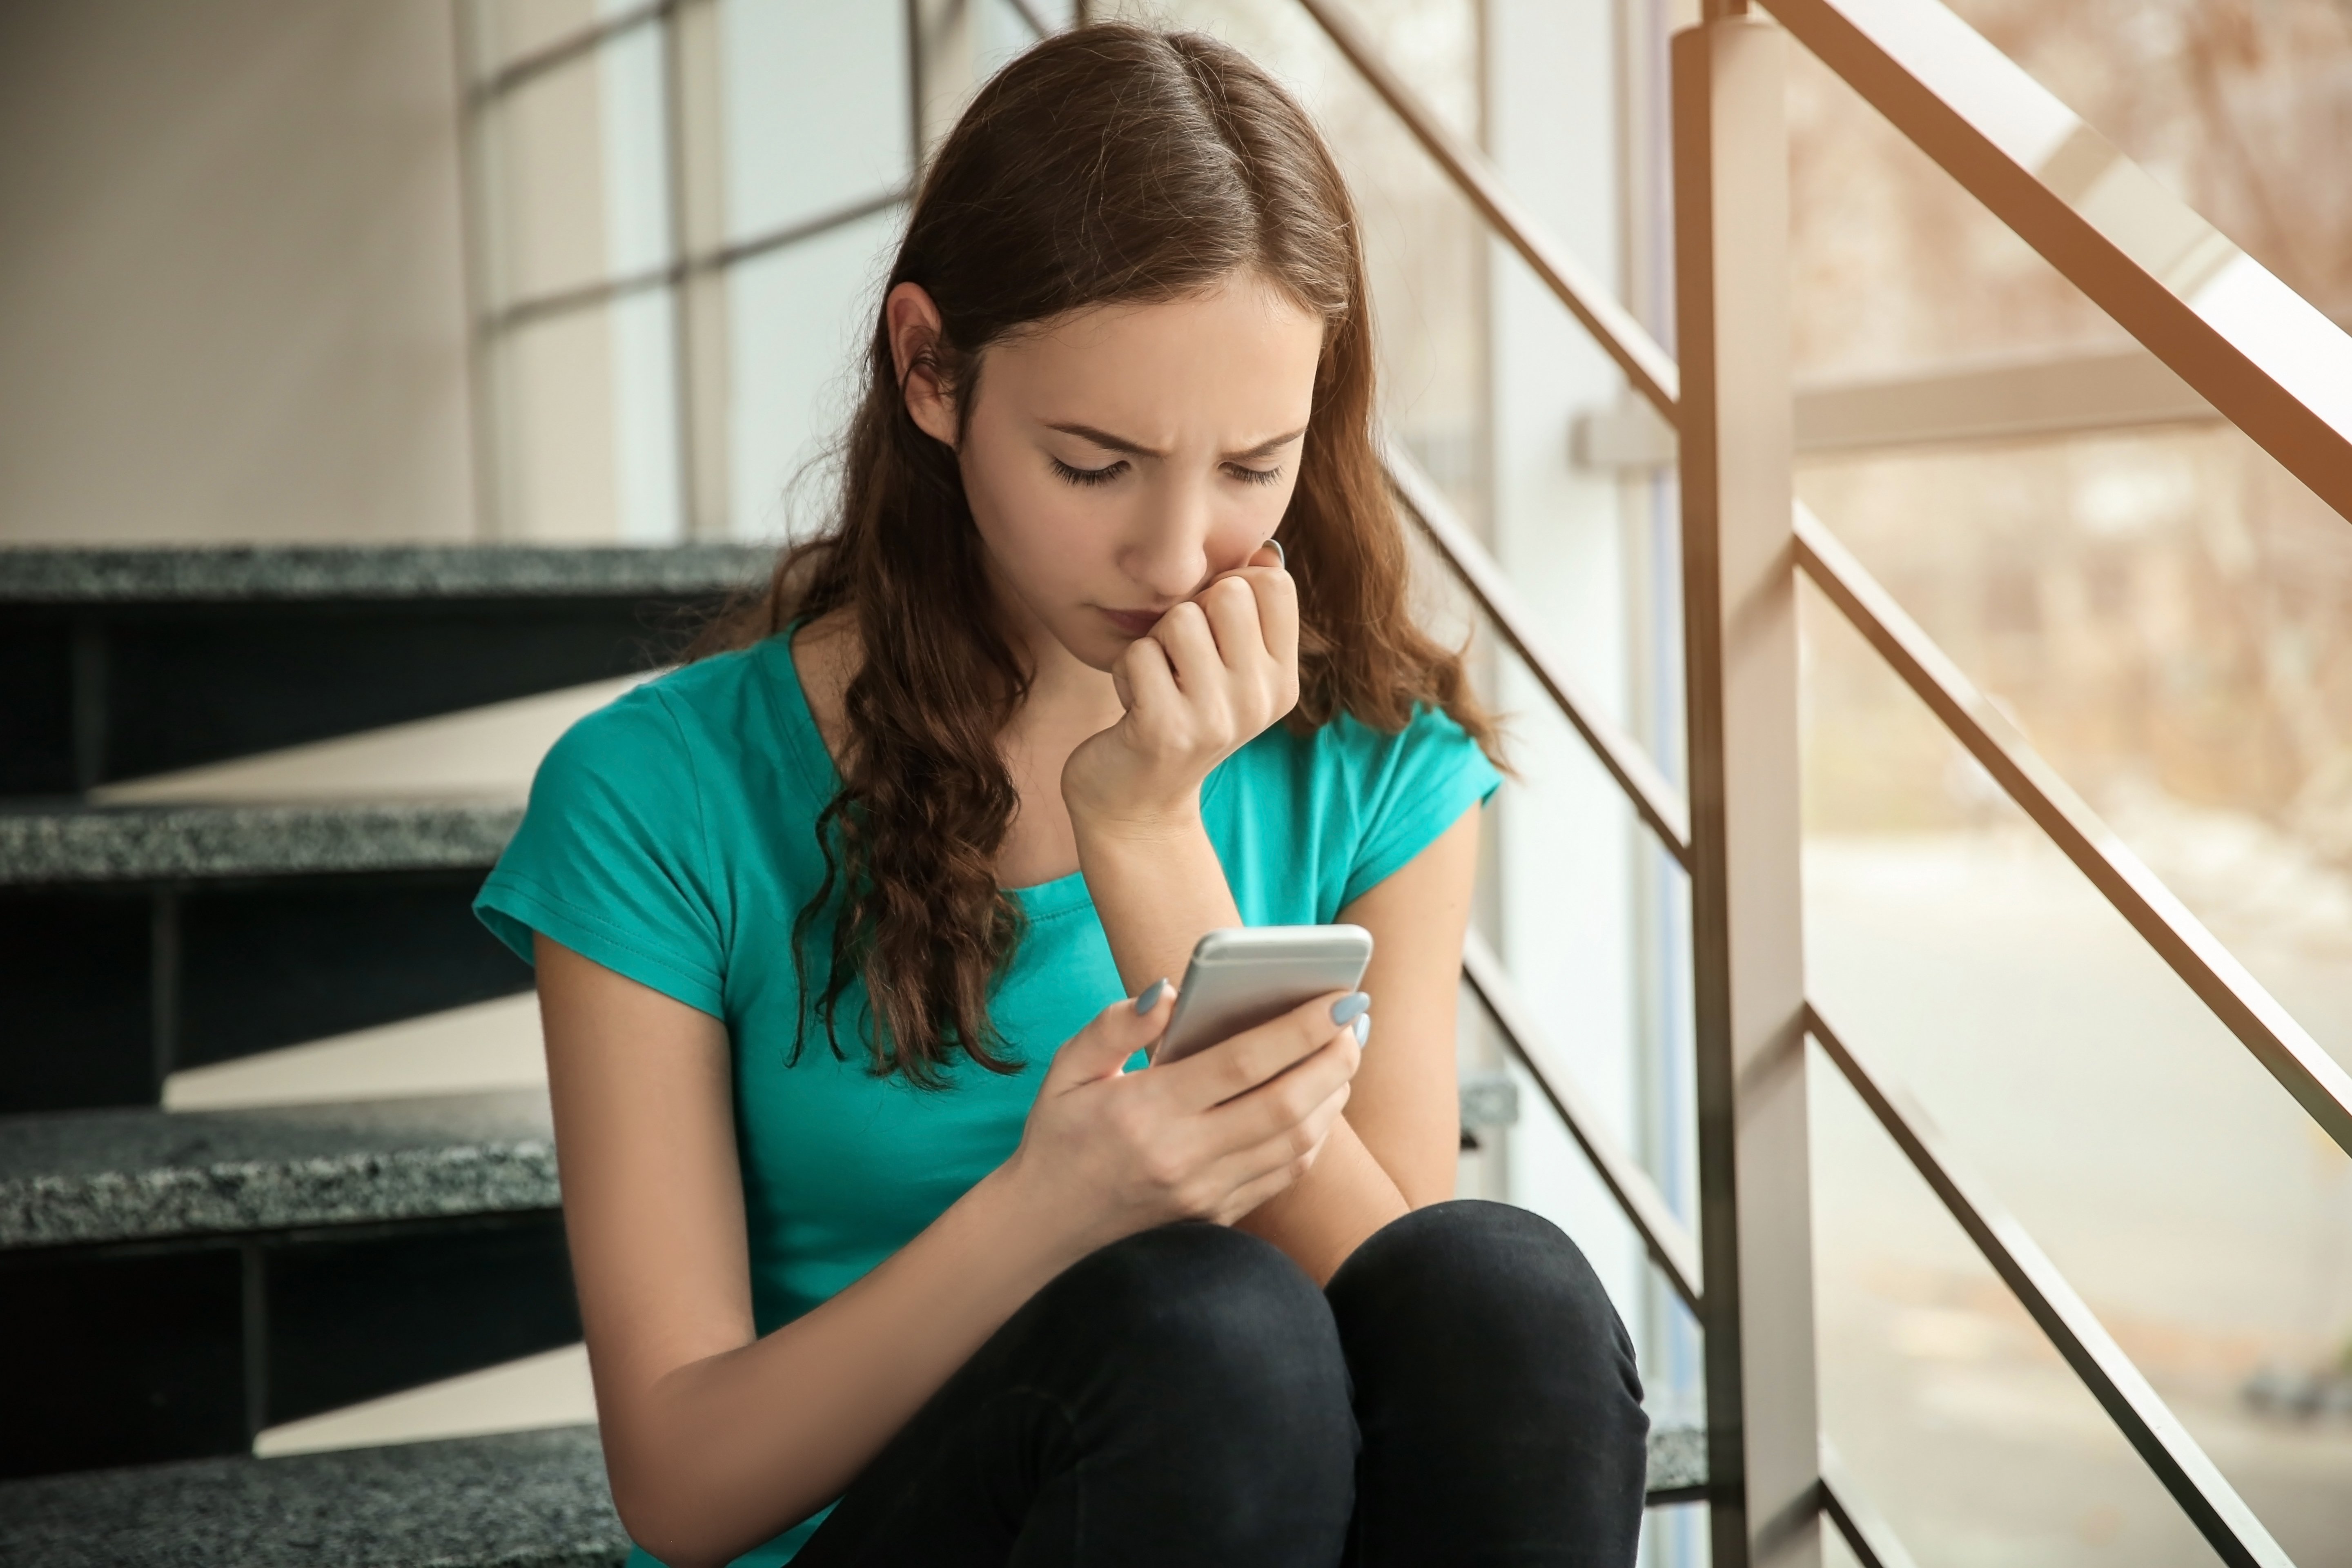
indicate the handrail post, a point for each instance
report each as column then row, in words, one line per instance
column 1739, row 612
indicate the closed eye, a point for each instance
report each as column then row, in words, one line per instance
column 1249, row 475
column 1101, row 476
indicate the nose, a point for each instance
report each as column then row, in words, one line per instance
column 1169, row 552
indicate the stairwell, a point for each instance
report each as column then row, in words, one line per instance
column 174, row 1284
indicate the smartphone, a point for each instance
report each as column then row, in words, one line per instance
column 1243, row 976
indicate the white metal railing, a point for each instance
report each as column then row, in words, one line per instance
column 2256, row 352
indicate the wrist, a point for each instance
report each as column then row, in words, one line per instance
column 1135, row 822
column 1056, row 1234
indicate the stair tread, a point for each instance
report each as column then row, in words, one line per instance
column 184, row 574
column 149, row 843
column 1677, row 1463
column 81, row 1177
column 524, row 1500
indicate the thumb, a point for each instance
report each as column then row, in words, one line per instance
column 1101, row 1049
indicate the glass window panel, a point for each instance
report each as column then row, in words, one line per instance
column 509, row 30
column 581, row 176
column 798, row 320
column 647, row 483
column 815, row 109
column 1891, row 262
column 550, row 183
column 590, row 424
column 1003, row 33
column 634, row 103
column 1957, row 1418
column 2177, row 1185
column 2242, row 109
column 556, row 381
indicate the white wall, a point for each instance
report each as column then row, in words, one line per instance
column 231, row 297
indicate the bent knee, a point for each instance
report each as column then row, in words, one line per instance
column 1201, row 1302
column 1487, row 1268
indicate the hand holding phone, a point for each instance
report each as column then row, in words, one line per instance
column 1243, row 976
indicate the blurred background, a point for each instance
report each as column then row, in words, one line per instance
column 557, row 270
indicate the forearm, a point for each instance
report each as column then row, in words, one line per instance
column 722, row 1452
column 1327, row 1214
column 1157, row 888
column 1157, row 894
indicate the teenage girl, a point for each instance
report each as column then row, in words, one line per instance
column 889, row 1249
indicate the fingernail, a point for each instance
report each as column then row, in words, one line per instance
column 1363, row 1027
column 1346, row 1008
column 1281, row 556
column 1151, row 995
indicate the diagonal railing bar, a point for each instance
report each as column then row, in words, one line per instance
column 1670, row 1243
column 2267, row 1029
column 1866, row 1530
column 1038, row 27
column 542, row 307
column 569, row 48
column 2261, row 354
column 2149, row 1424
column 1649, row 367
column 1655, row 800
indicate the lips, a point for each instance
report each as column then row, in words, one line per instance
column 1133, row 622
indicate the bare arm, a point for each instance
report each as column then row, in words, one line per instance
column 717, row 1440
column 1397, row 1146
column 1212, row 674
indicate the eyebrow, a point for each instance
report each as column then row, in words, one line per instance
column 1110, row 443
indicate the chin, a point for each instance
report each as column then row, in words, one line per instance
column 1098, row 651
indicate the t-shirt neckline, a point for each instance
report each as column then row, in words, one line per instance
column 805, row 743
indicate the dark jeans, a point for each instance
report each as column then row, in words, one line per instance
column 1463, row 1394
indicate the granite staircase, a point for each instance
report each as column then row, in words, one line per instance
column 176, row 1283
column 173, row 1284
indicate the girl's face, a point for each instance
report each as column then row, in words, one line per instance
column 1117, row 459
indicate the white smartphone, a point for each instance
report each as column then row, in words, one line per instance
column 1243, row 976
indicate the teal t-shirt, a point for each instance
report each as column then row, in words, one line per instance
column 671, row 837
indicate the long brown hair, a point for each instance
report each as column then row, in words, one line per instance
column 1109, row 164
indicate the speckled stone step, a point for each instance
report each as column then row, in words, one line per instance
column 236, row 572
column 171, row 1284
column 179, row 843
column 527, row 1500
column 1677, row 1464
column 82, row 1176
column 121, row 664
column 139, row 940
column 531, row 1499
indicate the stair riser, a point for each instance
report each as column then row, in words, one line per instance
column 132, row 1354
column 93, row 694
column 111, row 988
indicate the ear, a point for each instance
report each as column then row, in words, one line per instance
column 914, row 325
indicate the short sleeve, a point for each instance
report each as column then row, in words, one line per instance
column 612, row 857
column 1424, row 777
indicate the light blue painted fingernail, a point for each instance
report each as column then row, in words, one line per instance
column 1345, row 1010
column 1281, row 556
column 1151, row 995
column 1363, row 1027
